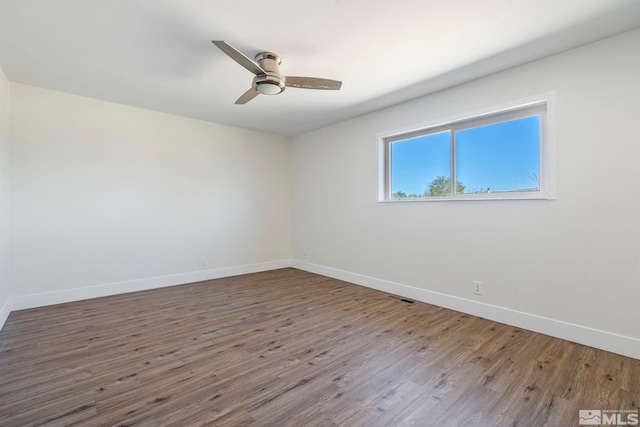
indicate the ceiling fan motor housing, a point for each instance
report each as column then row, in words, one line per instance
column 270, row 83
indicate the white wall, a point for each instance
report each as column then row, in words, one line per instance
column 574, row 260
column 104, row 193
column 4, row 198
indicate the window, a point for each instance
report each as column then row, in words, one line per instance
column 504, row 154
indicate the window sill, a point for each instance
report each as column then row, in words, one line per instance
column 472, row 197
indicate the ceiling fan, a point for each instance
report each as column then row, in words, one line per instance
column 268, row 79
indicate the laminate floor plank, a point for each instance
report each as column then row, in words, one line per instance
column 291, row 348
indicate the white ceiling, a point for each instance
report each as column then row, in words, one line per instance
column 157, row 54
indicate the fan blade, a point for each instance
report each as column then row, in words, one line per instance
column 312, row 83
column 247, row 96
column 239, row 57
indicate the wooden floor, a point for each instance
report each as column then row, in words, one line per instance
column 290, row 348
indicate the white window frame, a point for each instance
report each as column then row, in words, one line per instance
column 544, row 105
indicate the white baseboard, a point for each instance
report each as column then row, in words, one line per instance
column 68, row 295
column 5, row 311
column 608, row 341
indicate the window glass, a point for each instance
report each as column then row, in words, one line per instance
column 417, row 162
column 499, row 157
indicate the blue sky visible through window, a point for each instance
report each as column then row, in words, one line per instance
column 498, row 157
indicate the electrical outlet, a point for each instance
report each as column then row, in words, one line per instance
column 478, row 287
column 305, row 254
column 203, row 262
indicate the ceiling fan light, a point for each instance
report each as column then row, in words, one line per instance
column 268, row 88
